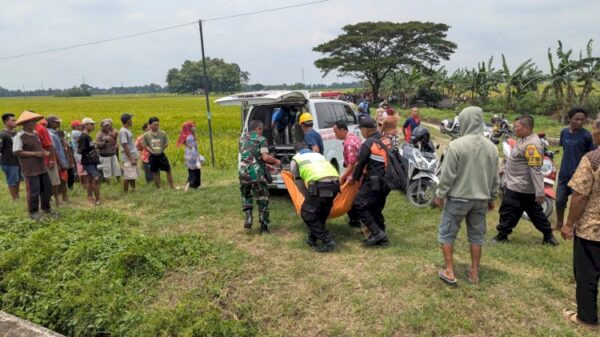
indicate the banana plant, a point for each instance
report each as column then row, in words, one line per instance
column 523, row 79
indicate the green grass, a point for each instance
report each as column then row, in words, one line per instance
column 168, row 263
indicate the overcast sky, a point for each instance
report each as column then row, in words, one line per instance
column 274, row 47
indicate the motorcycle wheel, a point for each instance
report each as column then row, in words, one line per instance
column 547, row 206
column 420, row 193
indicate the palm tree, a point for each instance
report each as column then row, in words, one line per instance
column 523, row 79
column 588, row 72
column 486, row 79
column 561, row 77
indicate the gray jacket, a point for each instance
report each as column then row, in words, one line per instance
column 470, row 167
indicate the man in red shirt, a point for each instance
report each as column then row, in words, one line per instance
column 351, row 149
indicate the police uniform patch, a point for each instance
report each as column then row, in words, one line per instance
column 534, row 158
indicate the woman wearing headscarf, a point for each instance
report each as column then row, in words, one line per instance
column 193, row 159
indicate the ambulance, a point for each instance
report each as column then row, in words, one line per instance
column 325, row 107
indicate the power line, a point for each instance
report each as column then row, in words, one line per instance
column 265, row 11
column 156, row 31
column 98, row 42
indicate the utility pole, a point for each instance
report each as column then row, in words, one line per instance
column 210, row 135
column 302, row 75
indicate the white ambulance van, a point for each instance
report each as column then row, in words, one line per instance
column 325, row 109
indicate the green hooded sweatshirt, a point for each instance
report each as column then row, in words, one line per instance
column 470, row 167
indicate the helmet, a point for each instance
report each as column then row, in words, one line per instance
column 420, row 135
column 446, row 124
column 305, row 118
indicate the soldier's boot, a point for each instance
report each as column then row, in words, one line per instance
column 377, row 236
column 248, row 222
column 311, row 240
column 327, row 246
column 264, row 222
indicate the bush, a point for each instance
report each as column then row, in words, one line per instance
column 530, row 103
column 495, row 104
column 593, row 106
column 426, row 95
column 88, row 273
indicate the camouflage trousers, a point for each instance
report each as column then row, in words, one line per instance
column 260, row 191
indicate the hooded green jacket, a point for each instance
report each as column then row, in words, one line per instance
column 470, row 167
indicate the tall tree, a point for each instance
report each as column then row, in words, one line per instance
column 372, row 50
column 222, row 76
column 588, row 72
column 561, row 77
column 517, row 83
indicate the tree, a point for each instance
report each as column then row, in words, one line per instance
column 372, row 50
column 406, row 83
column 523, row 79
column 561, row 77
column 588, row 72
column 221, row 76
column 485, row 79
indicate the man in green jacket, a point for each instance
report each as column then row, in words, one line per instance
column 469, row 185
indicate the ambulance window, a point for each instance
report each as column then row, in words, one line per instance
column 325, row 115
column 351, row 117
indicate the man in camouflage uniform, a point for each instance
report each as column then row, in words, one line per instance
column 524, row 190
column 253, row 156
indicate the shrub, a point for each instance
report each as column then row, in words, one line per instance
column 88, row 273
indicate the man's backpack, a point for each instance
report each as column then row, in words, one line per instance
column 395, row 176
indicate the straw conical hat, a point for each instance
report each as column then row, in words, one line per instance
column 27, row 116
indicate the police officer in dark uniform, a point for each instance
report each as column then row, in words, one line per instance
column 524, row 190
column 322, row 183
column 373, row 192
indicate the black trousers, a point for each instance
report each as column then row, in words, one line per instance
column 353, row 215
column 369, row 204
column 194, row 178
column 71, row 177
column 39, row 190
column 586, row 267
column 512, row 207
column 314, row 212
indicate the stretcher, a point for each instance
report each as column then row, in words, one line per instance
column 341, row 204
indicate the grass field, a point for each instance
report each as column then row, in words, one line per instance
column 169, row 263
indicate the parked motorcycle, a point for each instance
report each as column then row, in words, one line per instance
column 450, row 127
column 548, row 170
column 420, row 159
column 498, row 129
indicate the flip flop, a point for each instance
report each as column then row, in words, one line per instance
column 444, row 278
column 571, row 316
column 471, row 280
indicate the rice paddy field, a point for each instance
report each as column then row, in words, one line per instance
column 169, row 263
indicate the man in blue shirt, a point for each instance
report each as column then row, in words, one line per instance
column 364, row 105
column 279, row 122
column 576, row 142
column 311, row 137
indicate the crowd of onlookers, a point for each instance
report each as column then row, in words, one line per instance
column 51, row 159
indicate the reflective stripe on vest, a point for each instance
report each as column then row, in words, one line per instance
column 314, row 167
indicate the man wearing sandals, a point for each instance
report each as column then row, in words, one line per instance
column 468, row 184
column 583, row 225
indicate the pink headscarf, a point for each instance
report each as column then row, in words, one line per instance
column 186, row 130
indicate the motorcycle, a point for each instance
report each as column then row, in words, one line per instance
column 450, row 127
column 548, row 170
column 421, row 161
column 498, row 129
